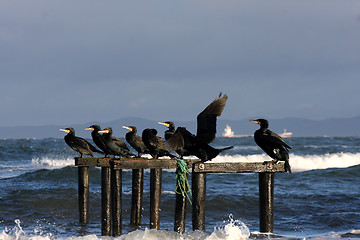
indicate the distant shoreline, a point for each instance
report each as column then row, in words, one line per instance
column 335, row 127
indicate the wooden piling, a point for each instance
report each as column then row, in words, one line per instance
column 83, row 194
column 116, row 201
column 137, row 196
column 266, row 200
column 180, row 213
column 105, row 201
column 155, row 197
column 198, row 203
column 180, row 206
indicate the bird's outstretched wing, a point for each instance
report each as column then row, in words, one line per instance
column 181, row 138
column 206, row 120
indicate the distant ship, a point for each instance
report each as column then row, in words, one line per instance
column 286, row 134
column 228, row 133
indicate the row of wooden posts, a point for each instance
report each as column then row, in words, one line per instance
column 111, row 190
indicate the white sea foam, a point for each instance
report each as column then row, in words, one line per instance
column 233, row 230
column 51, row 162
column 301, row 163
column 44, row 162
column 332, row 160
column 240, row 158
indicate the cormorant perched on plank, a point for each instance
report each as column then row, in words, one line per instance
column 272, row 143
column 135, row 141
column 98, row 139
column 169, row 133
column 79, row 144
column 155, row 144
column 117, row 146
column 206, row 130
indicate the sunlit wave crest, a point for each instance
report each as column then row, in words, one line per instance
column 52, row 162
column 301, row 162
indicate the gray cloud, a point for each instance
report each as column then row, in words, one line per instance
column 80, row 61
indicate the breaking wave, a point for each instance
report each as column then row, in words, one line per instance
column 232, row 230
column 52, row 163
column 302, row 162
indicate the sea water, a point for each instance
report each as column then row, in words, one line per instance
column 319, row 200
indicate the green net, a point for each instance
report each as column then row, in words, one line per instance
column 182, row 179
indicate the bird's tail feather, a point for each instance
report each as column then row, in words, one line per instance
column 226, row 148
column 287, row 166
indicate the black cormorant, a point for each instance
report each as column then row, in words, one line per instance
column 169, row 133
column 79, row 144
column 171, row 129
column 98, row 139
column 271, row 143
column 116, row 145
column 135, row 141
column 155, row 144
column 206, row 130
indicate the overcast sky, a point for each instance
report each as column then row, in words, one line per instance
column 67, row 62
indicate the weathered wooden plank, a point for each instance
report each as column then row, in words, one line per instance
column 239, row 167
column 92, row 162
column 134, row 163
column 205, row 167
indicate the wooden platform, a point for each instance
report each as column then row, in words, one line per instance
column 111, row 190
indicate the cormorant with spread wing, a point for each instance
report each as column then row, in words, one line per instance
column 169, row 133
column 206, row 130
column 135, row 141
column 155, row 144
column 117, row 146
column 98, row 139
column 271, row 143
column 79, row 144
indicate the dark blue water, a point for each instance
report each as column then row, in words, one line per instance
column 320, row 199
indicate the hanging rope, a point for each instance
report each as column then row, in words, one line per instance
column 182, row 179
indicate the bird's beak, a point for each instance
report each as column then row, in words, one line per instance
column 128, row 128
column 103, row 131
column 64, row 130
column 90, row 128
column 165, row 124
column 254, row 121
